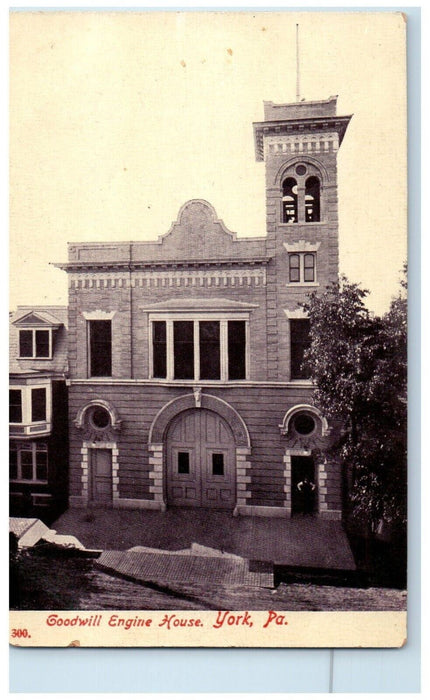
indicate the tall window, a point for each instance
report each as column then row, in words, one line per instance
column 159, row 344
column 29, row 462
column 309, row 267
column 210, row 351
column 289, row 201
column 183, row 339
column 236, row 350
column 299, row 342
column 38, row 405
column 312, row 199
column 199, row 349
column 294, row 262
column 15, row 406
column 35, row 343
column 100, row 347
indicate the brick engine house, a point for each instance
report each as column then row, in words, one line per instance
column 186, row 385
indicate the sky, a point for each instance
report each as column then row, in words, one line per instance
column 117, row 119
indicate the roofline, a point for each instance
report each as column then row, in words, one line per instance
column 131, row 266
column 298, row 124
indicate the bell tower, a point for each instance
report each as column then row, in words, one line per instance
column 299, row 143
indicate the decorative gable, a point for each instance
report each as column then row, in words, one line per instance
column 199, row 233
column 40, row 319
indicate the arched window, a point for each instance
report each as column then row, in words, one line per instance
column 289, row 201
column 309, row 267
column 294, row 260
column 312, row 199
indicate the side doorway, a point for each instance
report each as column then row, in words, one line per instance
column 304, row 499
column 100, row 477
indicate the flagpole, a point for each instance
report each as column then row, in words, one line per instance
column 297, row 65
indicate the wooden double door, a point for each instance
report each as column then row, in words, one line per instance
column 201, row 461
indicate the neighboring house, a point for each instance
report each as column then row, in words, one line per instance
column 38, row 427
column 185, row 354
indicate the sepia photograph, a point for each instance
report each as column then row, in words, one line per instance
column 208, row 328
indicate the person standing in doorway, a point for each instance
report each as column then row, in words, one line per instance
column 306, row 488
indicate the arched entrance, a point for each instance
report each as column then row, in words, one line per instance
column 200, row 461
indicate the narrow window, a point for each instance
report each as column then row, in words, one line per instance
column 210, row 356
column 294, row 268
column 38, row 405
column 26, row 464
column 13, row 463
column 41, row 463
column 289, row 201
column 309, row 267
column 26, row 343
column 159, row 349
column 42, row 343
column 236, row 350
column 312, row 199
column 218, row 464
column 183, row 463
column 183, row 349
column 299, row 342
column 15, row 406
column 100, row 348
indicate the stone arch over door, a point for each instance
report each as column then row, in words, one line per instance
column 160, row 429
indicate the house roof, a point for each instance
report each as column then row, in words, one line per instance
column 40, row 315
column 54, row 317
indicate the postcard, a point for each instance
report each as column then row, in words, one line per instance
column 207, row 388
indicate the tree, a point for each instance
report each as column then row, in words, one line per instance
column 358, row 365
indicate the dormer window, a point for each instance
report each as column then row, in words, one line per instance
column 36, row 334
column 35, row 343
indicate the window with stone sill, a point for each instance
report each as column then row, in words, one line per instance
column 301, row 268
column 199, row 349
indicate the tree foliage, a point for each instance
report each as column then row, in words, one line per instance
column 358, row 365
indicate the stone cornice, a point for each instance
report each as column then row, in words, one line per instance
column 91, row 266
column 309, row 125
column 240, row 276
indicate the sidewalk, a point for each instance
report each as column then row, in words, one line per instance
column 298, row 542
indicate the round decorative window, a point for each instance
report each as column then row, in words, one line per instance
column 304, row 424
column 301, row 169
column 100, row 417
